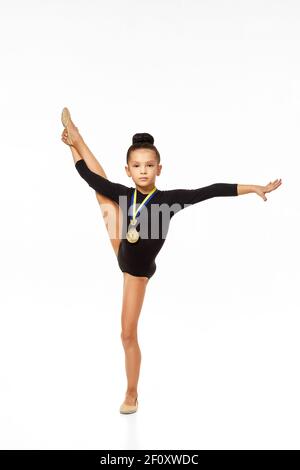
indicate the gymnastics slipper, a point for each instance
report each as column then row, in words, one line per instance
column 127, row 409
column 65, row 119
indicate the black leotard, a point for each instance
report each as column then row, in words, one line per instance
column 138, row 258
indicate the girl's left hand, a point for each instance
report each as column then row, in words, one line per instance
column 261, row 190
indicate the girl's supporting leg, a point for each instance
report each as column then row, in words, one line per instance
column 134, row 289
column 111, row 212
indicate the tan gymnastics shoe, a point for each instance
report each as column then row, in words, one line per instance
column 127, row 409
column 65, row 119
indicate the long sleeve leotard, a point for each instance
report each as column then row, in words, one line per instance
column 153, row 221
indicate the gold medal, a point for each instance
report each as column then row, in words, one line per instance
column 132, row 234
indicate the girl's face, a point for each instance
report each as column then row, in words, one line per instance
column 143, row 169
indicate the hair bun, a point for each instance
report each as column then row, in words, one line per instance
column 142, row 137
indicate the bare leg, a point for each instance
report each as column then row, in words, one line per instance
column 111, row 211
column 134, row 289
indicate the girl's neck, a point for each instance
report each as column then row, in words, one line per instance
column 145, row 190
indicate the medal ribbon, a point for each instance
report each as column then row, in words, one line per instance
column 145, row 201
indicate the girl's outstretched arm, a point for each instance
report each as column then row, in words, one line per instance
column 181, row 198
column 185, row 197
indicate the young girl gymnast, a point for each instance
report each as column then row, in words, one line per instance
column 137, row 220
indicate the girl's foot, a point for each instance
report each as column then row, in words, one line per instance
column 70, row 134
column 129, row 405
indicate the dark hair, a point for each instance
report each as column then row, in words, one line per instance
column 142, row 140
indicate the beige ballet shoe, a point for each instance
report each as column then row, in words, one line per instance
column 126, row 409
column 65, row 119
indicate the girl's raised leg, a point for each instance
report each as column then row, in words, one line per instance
column 111, row 211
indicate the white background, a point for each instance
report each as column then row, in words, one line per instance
column 217, row 85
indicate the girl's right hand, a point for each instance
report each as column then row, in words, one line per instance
column 64, row 137
column 71, row 141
